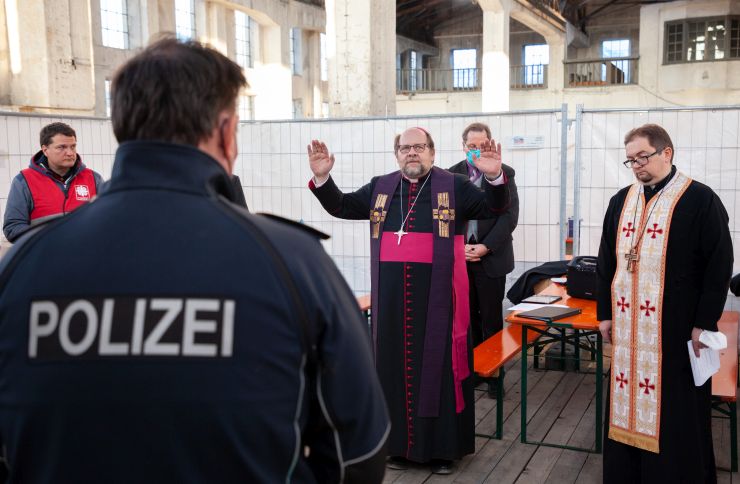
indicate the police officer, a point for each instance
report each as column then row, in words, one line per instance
column 184, row 346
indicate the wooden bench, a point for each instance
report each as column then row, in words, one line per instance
column 724, row 382
column 489, row 358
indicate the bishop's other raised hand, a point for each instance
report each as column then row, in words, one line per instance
column 489, row 162
column 320, row 160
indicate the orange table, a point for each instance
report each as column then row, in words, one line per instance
column 584, row 325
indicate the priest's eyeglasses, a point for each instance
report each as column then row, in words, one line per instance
column 418, row 148
column 640, row 160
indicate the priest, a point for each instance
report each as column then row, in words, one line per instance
column 664, row 268
column 420, row 312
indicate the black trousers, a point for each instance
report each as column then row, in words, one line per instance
column 486, row 303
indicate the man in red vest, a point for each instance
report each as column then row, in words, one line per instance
column 55, row 183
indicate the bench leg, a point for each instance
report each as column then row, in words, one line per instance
column 563, row 342
column 500, row 404
column 523, row 405
column 733, row 436
column 599, row 390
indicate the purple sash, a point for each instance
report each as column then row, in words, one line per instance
column 446, row 298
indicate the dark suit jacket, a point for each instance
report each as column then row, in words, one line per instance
column 495, row 233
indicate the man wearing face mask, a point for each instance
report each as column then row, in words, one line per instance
column 419, row 292
column 489, row 251
column 182, row 346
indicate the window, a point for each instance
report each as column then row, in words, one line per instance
column 243, row 37
column 735, row 38
column 296, row 56
column 618, row 71
column 246, row 108
column 325, row 110
column 185, row 19
column 536, row 57
column 114, row 23
column 324, row 64
column 702, row 39
column 464, row 69
column 107, row 97
column 674, row 42
column 297, row 109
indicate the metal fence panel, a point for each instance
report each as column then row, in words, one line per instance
column 273, row 167
column 707, row 148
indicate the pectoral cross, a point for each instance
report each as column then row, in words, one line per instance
column 632, row 258
column 400, row 233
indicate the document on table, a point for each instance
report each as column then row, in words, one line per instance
column 708, row 363
column 529, row 307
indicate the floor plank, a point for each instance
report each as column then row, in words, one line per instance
column 560, row 409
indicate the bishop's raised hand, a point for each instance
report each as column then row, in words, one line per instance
column 489, row 162
column 320, row 160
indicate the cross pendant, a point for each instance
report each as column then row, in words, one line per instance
column 400, row 234
column 632, row 258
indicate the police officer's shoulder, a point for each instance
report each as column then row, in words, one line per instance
column 19, row 248
column 298, row 225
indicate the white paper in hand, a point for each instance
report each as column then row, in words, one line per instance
column 708, row 363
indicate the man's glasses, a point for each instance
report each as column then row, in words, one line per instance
column 418, row 148
column 640, row 160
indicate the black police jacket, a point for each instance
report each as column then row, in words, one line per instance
column 163, row 334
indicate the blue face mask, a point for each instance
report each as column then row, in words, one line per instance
column 470, row 156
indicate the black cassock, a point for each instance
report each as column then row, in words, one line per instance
column 403, row 297
column 698, row 266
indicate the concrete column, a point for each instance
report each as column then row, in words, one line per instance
column 51, row 55
column 157, row 16
column 495, row 85
column 216, row 27
column 5, row 75
column 361, row 51
column 556, row 69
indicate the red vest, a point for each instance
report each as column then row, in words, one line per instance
column 49, row 198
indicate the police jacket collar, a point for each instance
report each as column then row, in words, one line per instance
column 168, row 166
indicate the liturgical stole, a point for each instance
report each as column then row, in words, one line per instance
column 448, row 293
column 637, row 306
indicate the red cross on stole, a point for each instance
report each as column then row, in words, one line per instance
column 654, row 231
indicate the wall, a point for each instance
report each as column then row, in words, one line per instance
column 457, row 33
column 438, row 103
column 685, row 84
column 65, row 65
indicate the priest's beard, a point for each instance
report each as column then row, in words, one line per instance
column 650, row 179
column 645, row 178
column 414, row 171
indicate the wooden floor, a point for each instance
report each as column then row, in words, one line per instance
column 560, row 409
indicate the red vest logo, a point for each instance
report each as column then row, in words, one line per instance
column 82, row 192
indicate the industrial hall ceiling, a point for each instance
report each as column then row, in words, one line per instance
column 417, row 19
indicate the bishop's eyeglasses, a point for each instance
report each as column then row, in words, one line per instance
column 640, row 160
column 418, row 148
